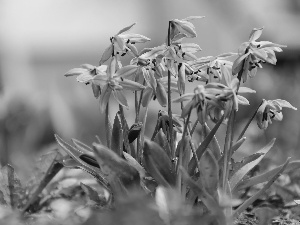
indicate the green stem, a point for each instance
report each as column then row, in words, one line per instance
column 108, row 126
column 142, row 136
column 247, row 125
column 169, row 101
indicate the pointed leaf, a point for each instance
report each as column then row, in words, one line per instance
column 209, row 173
column 132, row 162
column 158, row 164
column 239, row 175
column 162, row 141
column 203, row 146
column 117, row 136
column 249, row 201
column 114, row 167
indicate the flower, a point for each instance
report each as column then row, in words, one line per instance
column 202, row 97
column 108, row 80
column 86, row 73
column 253, row 53
column 122, row 43
column 211, row 69
column 271, row 109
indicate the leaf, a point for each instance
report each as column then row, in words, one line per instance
column 81, row 146
column 11, row 190
column 114, row 167
column 206, row 198
column 239, row 175
column 214, row 144
column 202, row 147
column 162, row 141
column 92, row 194
column 132, row 162
column 294, row 165
column 238, row 165
column 209, row 172
column 249, row 201
column 158, row 164
column 117, row 136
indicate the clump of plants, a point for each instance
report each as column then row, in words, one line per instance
column 168, row 178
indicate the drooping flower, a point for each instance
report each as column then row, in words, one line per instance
column 109, row 81
column 202, row 97
column 271, row 109
column 252, row 54
column 85, row 73
column 121, row 44
column 211, row 69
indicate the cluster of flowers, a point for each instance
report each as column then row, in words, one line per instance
column 219, row 88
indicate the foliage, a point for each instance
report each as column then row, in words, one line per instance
column 170, row 178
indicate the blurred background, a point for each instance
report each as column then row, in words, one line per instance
column 41, row 40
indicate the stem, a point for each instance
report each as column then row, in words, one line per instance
column 142, row 136
column 194, row 127
column 169, row 101
column 136, row 104
column 247, row 125
column 107, row 126
column 140, row 103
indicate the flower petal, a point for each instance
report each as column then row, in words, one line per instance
column 131, row 85
column 104, row 97
column 85, row 77
column 242, row 100
column 161, row 95
column 255, row 34
column 148, row 93
column 126, row 29
column 185, row 27
column 127, row 71
column 106, row 54
column 284, row 103
column 246, row 90
column 238, row 63
column 100, row 80
column 120, row 97
column 75, row 72
column 184, row 97
column 135, row 38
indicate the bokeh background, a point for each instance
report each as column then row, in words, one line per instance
column 41, row 40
